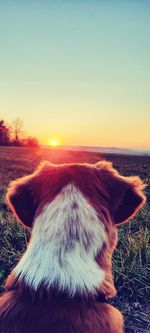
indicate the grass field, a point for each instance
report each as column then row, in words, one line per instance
column 130, row 260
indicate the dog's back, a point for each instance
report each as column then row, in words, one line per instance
column 21, row 313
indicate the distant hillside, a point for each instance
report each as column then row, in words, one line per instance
column 108, row 150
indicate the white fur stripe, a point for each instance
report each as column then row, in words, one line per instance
column 66, row 238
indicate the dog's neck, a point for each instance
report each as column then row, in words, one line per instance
column 66, row 238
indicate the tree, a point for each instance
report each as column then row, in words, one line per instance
column 30, row 142
column 4, row 134
column 13, row 135
column 17, row 131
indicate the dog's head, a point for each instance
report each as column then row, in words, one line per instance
column 73, row 210
column 99, row 183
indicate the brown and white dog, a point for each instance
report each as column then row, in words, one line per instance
column 62, row 280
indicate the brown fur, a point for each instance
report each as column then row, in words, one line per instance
column 30, row 314
column 116, row 199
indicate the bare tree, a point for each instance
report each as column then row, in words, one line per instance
column 17, row 131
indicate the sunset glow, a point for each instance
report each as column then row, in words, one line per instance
column 83, row 72
column 54, row 142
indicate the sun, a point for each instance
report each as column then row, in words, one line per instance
column 54, row 142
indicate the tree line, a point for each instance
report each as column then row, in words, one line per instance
column 13, row 135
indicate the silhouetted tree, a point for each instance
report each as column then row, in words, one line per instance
column 30, row 142
column 13, row 135
column 17, row 131
column 4, row 134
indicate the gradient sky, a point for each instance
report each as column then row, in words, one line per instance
column 78, row 70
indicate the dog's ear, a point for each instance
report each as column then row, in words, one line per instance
column 129, row 198
column 24, row 195
column 125, row 194
column 22, row 199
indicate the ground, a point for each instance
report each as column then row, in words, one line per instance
column 130, row 260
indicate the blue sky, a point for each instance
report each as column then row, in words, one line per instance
column 77, row 70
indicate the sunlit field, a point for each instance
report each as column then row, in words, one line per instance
column 130, row 260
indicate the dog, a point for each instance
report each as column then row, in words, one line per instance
column 64, row 279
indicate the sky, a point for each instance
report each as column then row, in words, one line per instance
column 77, row 70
